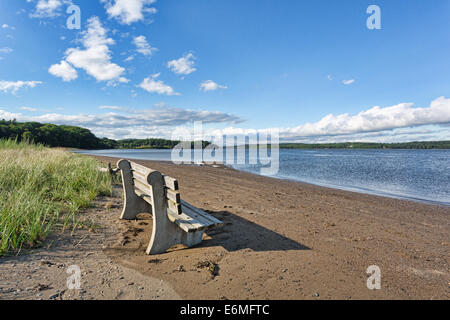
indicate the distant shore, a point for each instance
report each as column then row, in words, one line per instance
column 352, row 186
column 290, row 240
column 76, row 137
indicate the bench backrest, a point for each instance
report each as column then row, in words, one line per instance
column 143, row 189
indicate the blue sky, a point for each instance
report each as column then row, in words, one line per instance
column 140, row 68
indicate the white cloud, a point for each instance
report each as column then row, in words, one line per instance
column 156, row 122
column 64, row 71
column 111, row 108
column 116, row 82
column 184, row 65
column 373, row 120
column 6, row 50
column 347, row 82
column 152, row 85
column 29, row 109
column 377, row 119
column 95, row 59
column 402, row 122
column 48, row 8
column 130, row 58
column 6, row 26
column 14, row 86
column 423, row 133
column 129, row 11
column 143, row 46
column 210, row 85
column 329, row 77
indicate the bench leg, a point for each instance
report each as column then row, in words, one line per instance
column 192, row 238
column 169, row 235
column 132, row 203
column 165, row 233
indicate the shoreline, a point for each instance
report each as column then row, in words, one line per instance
column 357, row 190
column 360, row 191
column 291, row 240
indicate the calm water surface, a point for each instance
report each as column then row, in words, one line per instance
column 422, row 175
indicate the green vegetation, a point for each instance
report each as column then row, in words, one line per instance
column 74, row 137
column 50, row 135
column 143, row 144
column 367, row 145
column 41, row 189
column 151, row 143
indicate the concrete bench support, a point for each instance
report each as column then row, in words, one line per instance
column 132, row 203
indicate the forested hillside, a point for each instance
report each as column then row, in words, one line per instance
column 74, row 137
column 50, row 135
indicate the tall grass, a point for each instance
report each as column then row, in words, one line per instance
column 41, row 188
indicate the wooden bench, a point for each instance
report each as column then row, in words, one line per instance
column 174, row 221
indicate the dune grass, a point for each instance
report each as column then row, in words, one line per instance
column 41, row 190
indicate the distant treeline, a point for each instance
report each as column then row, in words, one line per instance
column 49, row 134
column 150, row 143
column 74, row 137
column 367, row 145
column 138, row 144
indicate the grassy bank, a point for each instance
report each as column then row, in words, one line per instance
column 41, row 190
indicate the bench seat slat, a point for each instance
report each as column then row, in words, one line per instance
column 213, row 221
column 193, row 220
column 185, row 222
column 200, row 218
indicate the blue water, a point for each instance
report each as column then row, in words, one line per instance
column 422, row 175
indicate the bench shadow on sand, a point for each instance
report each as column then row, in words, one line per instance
column 239, row 233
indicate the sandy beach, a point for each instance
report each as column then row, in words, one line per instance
column 288, row 240
column 281, row 240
